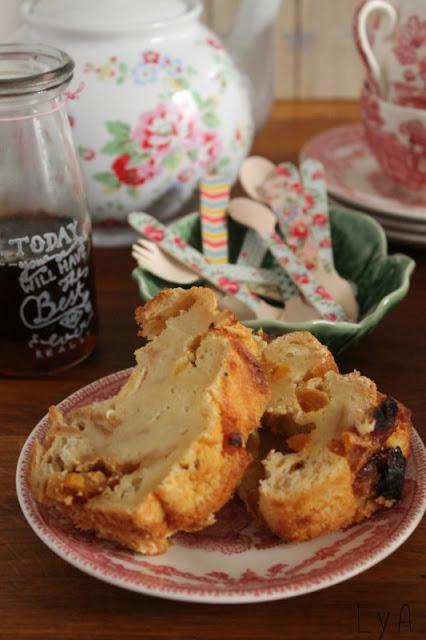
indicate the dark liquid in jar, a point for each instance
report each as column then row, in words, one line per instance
column 47, row 302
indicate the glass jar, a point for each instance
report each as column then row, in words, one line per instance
column 47, row 302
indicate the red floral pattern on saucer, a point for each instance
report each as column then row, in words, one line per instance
column 234, row 561
column 354, row 175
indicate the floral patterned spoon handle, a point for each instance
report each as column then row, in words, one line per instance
column 248, row 212
column 309, row 221
column 254, row 249
column 174, row 245
column 282, row 190
column 313, row 175
column 252, row 253
column 308, row 285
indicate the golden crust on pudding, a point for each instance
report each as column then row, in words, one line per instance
column 336, row 455
column 318, row 490
column 167, row 452
column 288, row 361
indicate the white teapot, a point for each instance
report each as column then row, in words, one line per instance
column 163, row 102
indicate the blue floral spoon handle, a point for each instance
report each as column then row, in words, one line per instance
column 307, row 284
column 313, row 174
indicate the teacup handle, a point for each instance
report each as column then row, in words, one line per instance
column 363, row 42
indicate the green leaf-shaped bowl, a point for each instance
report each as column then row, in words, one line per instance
column 360, row 252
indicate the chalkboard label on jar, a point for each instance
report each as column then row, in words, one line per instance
column 48, row 318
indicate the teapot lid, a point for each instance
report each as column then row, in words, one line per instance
column 106, row 15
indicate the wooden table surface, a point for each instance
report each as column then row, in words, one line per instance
column 43, row 597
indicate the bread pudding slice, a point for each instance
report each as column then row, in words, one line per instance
column 289, row 361
column 168, row 450
column 335, row 455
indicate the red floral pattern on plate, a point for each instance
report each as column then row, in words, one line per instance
column 354, row 175
column 403, row 163
column 196, row 567
column 232, row 533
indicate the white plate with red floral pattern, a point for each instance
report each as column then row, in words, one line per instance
column 354, row 175
column 234, row 561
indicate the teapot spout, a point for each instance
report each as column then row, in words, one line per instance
column 251, row 43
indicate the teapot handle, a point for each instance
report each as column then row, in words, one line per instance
column 251, row 42
column 363, row 43
column 252, row 19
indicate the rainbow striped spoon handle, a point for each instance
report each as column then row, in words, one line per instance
column 214, row 198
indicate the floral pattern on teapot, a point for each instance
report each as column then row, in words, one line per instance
column 178, row 138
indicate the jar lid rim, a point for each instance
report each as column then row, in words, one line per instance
column 37, row 68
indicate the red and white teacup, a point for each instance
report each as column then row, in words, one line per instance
column 397, row 137
column 394, row 51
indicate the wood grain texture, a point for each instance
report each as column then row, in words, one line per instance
column 286, row 52
column 42, row 598
column 329, row 64
column 315, row 54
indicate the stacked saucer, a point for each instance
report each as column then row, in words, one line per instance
column 356, row 180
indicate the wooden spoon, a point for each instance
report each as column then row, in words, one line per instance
column 255, row 172
column 255, row 215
